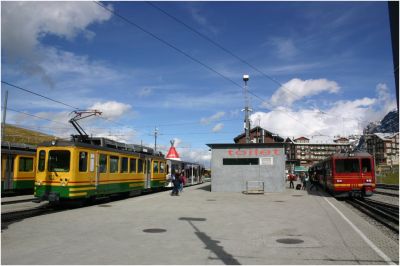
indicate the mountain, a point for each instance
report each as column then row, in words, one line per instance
column 22, row 135
column 389, row 124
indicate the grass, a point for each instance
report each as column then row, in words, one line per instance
column 21, row 135
column 388, row 178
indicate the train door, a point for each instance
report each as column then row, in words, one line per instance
column 148, row 173
column 367, row 176
column 9, row 173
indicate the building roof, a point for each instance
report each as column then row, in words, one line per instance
column 259, row 128
column 319, row 139
column 245, row 145
column 386, row 136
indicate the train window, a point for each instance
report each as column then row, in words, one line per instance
column 83, row 161
column 162, row 167
column 25, row 164
column 347, row 166
column 103, row 163
column 59, row 161
column 155, row 167
column 133, row 166
column 366, row 165
column 124, row 165
column 41, row 161
column 140, row 166
column 114, row 164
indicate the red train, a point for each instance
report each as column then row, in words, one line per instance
column 346, row 174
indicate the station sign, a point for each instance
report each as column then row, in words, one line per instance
column 253, row 152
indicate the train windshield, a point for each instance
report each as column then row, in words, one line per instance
column 347, row 166
column 59, row 161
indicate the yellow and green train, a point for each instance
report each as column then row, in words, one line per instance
column 17, row 167
column 76, row 170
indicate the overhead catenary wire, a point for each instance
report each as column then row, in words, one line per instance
column 221, row 47
column 129, row 21
column 37, row 94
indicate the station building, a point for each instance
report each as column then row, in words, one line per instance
column 235, row 167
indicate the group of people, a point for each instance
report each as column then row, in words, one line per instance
column 178, row 180
column 304, row 178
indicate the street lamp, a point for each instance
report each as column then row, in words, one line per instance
column 246, row 109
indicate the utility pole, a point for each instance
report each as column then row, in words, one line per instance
column 3, row 120
column 246, row 109
column 155, row 139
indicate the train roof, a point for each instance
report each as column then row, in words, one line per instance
column 103, row 144
column 17, row 148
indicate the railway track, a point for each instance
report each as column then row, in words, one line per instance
column 386, row 193
column 387, row 186
column 11, row 216
column 386, row 214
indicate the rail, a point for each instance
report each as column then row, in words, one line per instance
column 386, row 214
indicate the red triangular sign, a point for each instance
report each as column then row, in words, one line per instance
column 173, row 154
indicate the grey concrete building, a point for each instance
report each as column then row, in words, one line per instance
column 235, row 167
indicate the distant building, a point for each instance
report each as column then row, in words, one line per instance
column 303, row 151
column 259, row 135
column 384, row 147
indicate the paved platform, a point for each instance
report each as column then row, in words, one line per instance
column 201, row 227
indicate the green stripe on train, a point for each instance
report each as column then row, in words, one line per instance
column 64, row 191
column 19, row 184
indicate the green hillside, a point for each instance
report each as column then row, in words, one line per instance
column 27, row 136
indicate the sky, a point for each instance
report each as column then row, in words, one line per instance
column 316, row 68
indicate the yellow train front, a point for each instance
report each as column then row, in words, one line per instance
column 74, row 170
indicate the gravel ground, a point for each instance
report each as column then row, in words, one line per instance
column 386, row 199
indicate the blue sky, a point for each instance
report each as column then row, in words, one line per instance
column 325, row 68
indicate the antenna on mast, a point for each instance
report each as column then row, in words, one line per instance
column 81, row 114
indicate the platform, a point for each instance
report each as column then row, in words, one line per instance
column 202, row 227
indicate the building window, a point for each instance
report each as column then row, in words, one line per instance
column 240, row 161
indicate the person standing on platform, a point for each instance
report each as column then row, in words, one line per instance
column 176, row 183
column 183, row 181
column 303, row 180
column 314, row 181
column 291, row 179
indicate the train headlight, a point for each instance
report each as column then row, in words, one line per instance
column 339, row 181
column 38, row 183
column 368, row 180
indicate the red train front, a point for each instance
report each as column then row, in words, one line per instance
column 347, row 174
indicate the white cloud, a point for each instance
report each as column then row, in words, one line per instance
column 285, row 48
column 218, row 127
column 198, row 15
column 344, row 117
column 144, row 92
column 111, row 109
column 297, row 89
column 214, row 117
column 21, row 40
